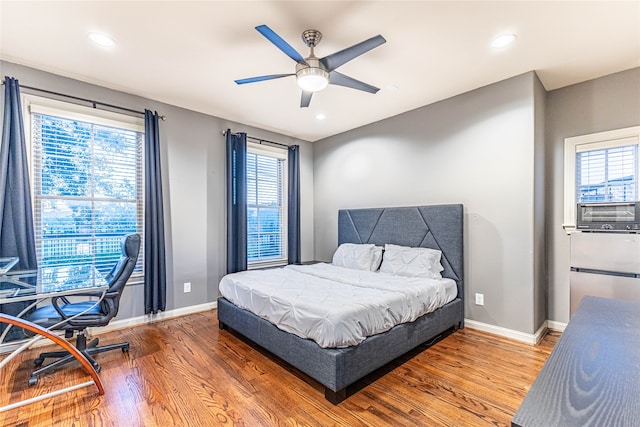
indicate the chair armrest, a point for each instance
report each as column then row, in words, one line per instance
column 54, row 303
column 110, row 309
column 96, row 294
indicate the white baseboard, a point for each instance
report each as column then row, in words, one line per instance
column 510, row 333
column 485, row 327
column 150, row 318
column 121, row 324
column 556, row 326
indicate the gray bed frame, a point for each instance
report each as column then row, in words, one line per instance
column 437, row 227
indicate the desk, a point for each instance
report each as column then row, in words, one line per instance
column 7, row 264
column 46, row 283
column 49, row 282
column 36, row 286
column 592, row 377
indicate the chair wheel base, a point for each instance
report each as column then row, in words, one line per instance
column 38, row 362
column 125, row 349
column 33, row 381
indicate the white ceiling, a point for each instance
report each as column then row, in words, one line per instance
column 189, row 53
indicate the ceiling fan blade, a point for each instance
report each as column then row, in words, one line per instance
column 280, row 43
column 261, row 78
column 333, row 61
column 336, row 78
column 305, row 99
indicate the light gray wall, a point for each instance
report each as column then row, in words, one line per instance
column 539, row 206
column 193, row 166
column 478, row 149
column 607, row 103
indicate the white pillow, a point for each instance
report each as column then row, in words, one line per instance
column 357, row 256
column 411, row 262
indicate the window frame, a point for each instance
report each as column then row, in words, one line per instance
column 594, row 141
column 282, row 154
column 32, row 104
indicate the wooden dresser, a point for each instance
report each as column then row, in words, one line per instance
column 592, row 377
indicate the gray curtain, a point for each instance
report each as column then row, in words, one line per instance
column 17, row 237
column 293, row 232
column 155, row 278
column 236, row 202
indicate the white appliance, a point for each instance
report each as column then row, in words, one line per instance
column 604, row 264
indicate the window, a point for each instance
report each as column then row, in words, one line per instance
column 602, row 167
column 607, row 174
column 266, row 205
column 87, row 179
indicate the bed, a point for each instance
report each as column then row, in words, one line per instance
column 437, row 227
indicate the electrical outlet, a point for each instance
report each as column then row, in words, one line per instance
column 479, row 299
column 187, row 287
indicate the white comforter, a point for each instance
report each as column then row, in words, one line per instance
column 335, row 306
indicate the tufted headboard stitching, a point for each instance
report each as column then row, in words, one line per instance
column 437, row 227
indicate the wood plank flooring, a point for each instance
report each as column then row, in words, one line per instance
column 187, row 372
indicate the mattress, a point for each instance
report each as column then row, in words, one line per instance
column 335, row 306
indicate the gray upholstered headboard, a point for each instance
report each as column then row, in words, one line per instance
column 437, row 227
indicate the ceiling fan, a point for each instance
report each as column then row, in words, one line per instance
column 314, row 74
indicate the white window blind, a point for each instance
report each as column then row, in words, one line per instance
column 266, row 206
column 607, row 175
column 600, row 167
column 88, row 188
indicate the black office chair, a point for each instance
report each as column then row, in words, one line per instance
column 100, row 315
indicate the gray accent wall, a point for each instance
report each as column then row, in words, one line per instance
column 193, row 166
column 607, row 103
column 479, row 149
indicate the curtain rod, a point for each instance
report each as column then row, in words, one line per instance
column 260, row 140
column 94, row 103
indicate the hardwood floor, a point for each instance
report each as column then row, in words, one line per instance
column 187, row 372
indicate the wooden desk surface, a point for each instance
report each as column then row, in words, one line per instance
column 592, row 377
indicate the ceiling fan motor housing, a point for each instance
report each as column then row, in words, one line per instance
column 311, row 37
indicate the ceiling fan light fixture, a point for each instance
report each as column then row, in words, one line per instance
column 312, row 79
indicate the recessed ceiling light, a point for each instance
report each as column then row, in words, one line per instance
column 102, row 39
column 320, row 116
column 503, row 40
